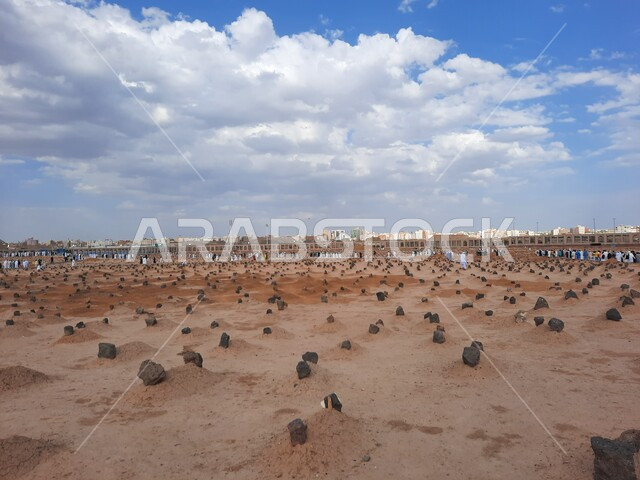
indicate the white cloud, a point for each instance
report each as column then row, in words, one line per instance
column 405, row 6
column 559, row 8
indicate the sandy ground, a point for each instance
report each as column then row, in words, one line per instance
column 411, row 405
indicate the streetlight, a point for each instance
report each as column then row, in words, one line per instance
column 614, row 224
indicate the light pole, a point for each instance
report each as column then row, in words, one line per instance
column 614, row 224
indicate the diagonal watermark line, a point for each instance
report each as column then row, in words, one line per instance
column 505, row 379
column 162, row 130
column 133, row 381
column 464, row 146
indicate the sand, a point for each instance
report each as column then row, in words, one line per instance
column 412, row 409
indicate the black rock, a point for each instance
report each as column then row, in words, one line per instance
column 634, row 293
column 224, row 340
column 297, row 432
column 330, row 319
column 617, row 459
column 467, row 305
column 80, row 325
column 324, row 299
column 541, row 303
column 471, row 356
column 267, row 331
column 427, row 315
column 281, row 304
column 151, row 373
column 9, row 322
column 303, row 370
column 489, row 313
column 186, row 331
column 538, row 321
column 477, row 344
column 512, row 300
column 374, row 329
column 399, row 312
column 192, row 357
column 556, row 325
column 150, row 320
column 435, row 318
column 595, row 281
column 613, row 314
column 269, row 311
column 570, row 294
column 106, row 350
column 346, row 344
column 380, row 296
column 336, row 404
column 627, row 301
column 380, row 323
column 310, row 357
column 585, row 291
column 479, row 296
column 438, row 336
column 105, row 320
column 214, row 324
column 68, row 330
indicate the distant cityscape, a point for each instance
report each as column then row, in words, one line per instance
column 355, row 234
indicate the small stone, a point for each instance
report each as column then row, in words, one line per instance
column 435, row 318
column 68, row 330
column 556, row 325
column 627, row 301
column 297, row 432
column 595, row 281
column 150, row 320
column 192, row 357
column 310, row 357
column 617, row 459
column 139, row 311
column 467, row 305
column 521, row 316
column 477, row 344
column 438, row 336
column 399, row 311
column 346, row 344
column 471, row 356
column 541, row 303
column 333, row 400
column 570, row 294
column 427, row 315
column 269, row 311
column 330, row 319
column 538, row 321
column 214, row 324
column 380, row 296
column 80, row 325
column 479, row 296
column 512, row 300
column 488, row 313
column 324, row 299
column 186, row 331
column 105, row 320
column 634, row 293
column 373, row 329
column 267, row 331
column 151, row 373
column 224, row 340
column 303, row 370
column 366, row 458
column 281, row 304
column 107, row 350
column 613, row 314
column 380, row 323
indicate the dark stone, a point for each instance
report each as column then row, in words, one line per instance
column 477, row 344
column 267, row 331
column 214, row 324
column 627, row 301
column 68, row 330
column 151, row 373
column 380, row 296
column 512, row 300
column 467, row 305
column 269, row 311
column 438, row 336
column 617, row 459
column 585, row 291
column 189, row 309
column 399, row 311
column 374, row 329
column 538, row 321
column 570, row 294
column 106, row 350
column 105, row 320
column 556, row 325
column 489, row 313
column 80, row 325
column 281, row 304
column 330, row 319
column 324, row 299
column 224, row 340
column 436, row 284
column 150, row 321
column 479, row 296
column 613, row 314
column 186, row 331
column 9, row 322
column 380, row 323
column 624, row 286
column 297, row 432
column 541, row 303
column 192, row 357
column 471, row 356
column 139, row 311
column 595, row 281
column 346, row 344
column 435, row 318
column 427, row 315
column 336, row 404
column 303, row 370
column 634, row 293
column 366, row 458
column 310, row 357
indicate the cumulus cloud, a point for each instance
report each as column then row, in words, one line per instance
column 276, row 124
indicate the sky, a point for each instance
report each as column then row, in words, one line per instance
column 431, row 109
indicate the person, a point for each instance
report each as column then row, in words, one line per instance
column 463, row 260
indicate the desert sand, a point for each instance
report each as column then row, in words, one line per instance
column 411, row 407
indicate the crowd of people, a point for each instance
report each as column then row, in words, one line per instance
column 629, row 256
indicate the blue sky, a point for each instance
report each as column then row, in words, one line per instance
column 315, row 110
